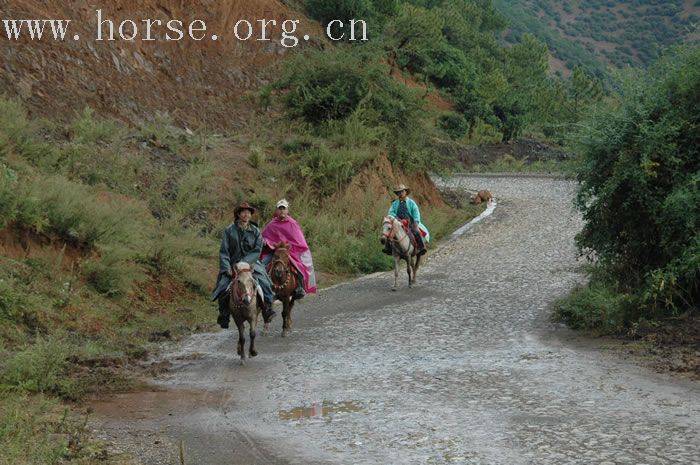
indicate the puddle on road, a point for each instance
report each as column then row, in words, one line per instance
column 320, row 410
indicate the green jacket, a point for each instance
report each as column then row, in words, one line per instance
column 412, row 209
column 238, row 245
column 413, row 212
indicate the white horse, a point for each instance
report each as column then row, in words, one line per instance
column 401, row 248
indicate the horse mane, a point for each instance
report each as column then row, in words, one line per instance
column 243, row 267
column 282, row 245
column 240, row 266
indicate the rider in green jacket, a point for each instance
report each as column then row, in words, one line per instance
column 405, row 208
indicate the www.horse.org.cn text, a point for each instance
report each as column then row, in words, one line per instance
column 107, row 29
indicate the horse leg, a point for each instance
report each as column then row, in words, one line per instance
column 415, row 268
column 409, row 270
column 252, row 352
column 285, row 316
column 266, row 325
column 396, row 272
column 241, row 340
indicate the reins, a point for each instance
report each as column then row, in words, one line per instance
column 395, row 224
column 238, row 296
column 285, row 267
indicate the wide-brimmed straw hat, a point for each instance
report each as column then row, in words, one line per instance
column 401, row 187
column 241, row 207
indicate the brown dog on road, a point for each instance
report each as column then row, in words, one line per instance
column 482, row 196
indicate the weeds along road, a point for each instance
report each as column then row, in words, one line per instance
column 465, row 368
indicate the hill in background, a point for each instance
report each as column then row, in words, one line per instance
column 601, row 33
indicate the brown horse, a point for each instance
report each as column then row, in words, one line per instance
column 245, row 304
column 284, row 282
column 401, row 248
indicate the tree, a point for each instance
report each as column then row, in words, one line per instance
column 583, row 90
column 640, row 187
column 410, row 34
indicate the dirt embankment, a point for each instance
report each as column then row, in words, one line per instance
column 198, row 83
column 378, row 180
column 21, row 243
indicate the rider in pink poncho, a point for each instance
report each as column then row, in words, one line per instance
column 283, row 227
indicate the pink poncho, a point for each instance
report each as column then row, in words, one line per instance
column 289, row 231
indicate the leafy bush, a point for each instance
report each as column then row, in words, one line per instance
column 373, row 12
column 596, row 306
column 640, row 186
column 326, row 86
column 40, row 368
column 113, row 273
column 454, row 124
column 329, row 169
column 17, row 133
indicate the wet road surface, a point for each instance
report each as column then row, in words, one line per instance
column 464, row 368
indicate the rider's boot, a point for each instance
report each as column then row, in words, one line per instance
column 299, row 292
column 420, row 241
column 268, row 314
column 224, row 316
column 387, row 247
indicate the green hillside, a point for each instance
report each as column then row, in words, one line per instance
column 601, row 33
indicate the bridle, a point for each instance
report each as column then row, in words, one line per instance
column 237, row 295
column 285, row 267
column 390, row 235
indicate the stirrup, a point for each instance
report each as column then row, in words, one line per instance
column 268, row 315
column 223, row 320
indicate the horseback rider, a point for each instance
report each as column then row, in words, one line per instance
column 284, row 228
column 405, row 208
column 241, row 242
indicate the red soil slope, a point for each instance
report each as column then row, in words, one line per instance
column 197, row 83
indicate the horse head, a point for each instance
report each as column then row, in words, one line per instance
column 280, row 264
column 388, row 228
column 243, row 287
column 282, row 251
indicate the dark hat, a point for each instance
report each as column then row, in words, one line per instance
column 241, row 207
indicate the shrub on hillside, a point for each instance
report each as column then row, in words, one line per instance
column 373, row 12
column 327, row 86
column 454, row 124
column 41, row 368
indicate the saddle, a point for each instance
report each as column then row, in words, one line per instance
column 407, row 229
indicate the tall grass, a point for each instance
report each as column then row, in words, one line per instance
column 40, row 367
column 35, row 429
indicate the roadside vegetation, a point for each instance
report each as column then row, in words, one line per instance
column 640, row 197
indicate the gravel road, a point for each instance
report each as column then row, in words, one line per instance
column 464, row 368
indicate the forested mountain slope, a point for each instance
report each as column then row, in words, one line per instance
column 600, row 33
